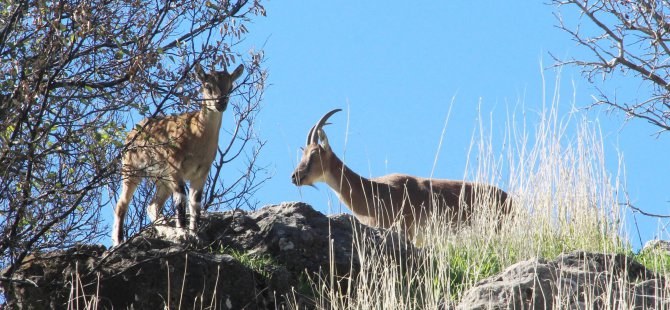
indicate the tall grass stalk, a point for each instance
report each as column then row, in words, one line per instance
column 564, row 199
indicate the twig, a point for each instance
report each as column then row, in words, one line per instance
column 638, row 210
column 19, row 281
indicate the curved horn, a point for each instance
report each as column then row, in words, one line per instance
column 313, row 136
column 309, row 136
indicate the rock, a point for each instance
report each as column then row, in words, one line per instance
column 657, row 245
column 577, row 280
column 212, row 268
column 252, row 260
column 299, row 237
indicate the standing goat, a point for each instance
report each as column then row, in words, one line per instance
column 174, row 149
column 383, row 201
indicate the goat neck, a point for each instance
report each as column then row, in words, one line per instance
column 354, row 190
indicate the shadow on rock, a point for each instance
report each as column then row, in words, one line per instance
column 236, row 260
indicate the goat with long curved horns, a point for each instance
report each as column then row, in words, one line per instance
column 174, row 149
column 386, row 200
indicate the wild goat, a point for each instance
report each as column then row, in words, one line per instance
column 174, row 149
column 383, row 201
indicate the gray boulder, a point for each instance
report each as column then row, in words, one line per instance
column 163, row 266
column 577, row 280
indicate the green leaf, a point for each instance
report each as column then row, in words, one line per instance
column 9, row 131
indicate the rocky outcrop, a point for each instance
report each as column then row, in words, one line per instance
column 237, row 260
column 576, row 280
column 255, row 260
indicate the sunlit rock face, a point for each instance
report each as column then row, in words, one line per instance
column 236, row 260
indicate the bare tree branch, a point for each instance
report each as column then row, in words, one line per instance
column 73, row 75
column 625, row 37
column 638, row 210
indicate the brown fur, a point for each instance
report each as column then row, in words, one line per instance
column 174, row 149
column 383, row 201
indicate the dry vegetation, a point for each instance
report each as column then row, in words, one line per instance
column 565, row 199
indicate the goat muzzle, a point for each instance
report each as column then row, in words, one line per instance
column 222, row 104
column 296, row 178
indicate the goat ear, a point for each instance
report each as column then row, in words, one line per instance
column 238, row 71
column 324, row 140
column 199, row 73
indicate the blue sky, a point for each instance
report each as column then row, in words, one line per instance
column 395, row 69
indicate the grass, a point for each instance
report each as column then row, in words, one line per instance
column 258, row 263
column 564, row 200
column 262, row 264
column 657, row 260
